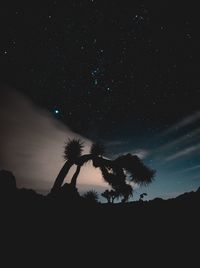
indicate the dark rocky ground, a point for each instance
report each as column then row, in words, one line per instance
column 63, row 225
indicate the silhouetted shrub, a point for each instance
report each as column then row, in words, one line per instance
column 91, row 196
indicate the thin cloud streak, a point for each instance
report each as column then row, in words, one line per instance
column 183, row 152
column 141, row 153
column 193, row 168
column 183, row 123
column 188, row 136
column 187, row 140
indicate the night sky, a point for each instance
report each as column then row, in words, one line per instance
column 126, row 73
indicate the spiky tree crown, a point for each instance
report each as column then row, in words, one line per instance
column 140, row 173
column 97, row 149
column 106, row 194
column 73, row 149
column 91, row 195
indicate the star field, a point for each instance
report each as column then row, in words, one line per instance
column 125, row 73
column 105, row 64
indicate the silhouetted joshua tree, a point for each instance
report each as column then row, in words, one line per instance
column 126, row 191
column 106, row 195
column 113, row 171
column 111, row 195
column 114, row 195
column 73, row 150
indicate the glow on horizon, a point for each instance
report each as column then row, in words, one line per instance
column 32, row 144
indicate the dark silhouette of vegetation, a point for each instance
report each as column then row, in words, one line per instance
column 114, row 195
column 67, row 216
column 106, row 195
column 91, row 196
column 25, row 201
column 113, row 171
column 110, row 196
column 73, row 150
column 75, row 176
column 67, row 210
column 97, row 149
column 125, row 192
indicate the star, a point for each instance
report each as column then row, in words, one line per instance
column 56, row 111
column 123, row 81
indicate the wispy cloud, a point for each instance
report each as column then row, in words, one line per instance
column 183, row 152
column 185, row 170
column 177, row 147
column 187, row 137
column 141, row 153
column 190, row 168
column 183, row 123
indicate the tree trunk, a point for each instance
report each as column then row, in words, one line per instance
column 113, row 198
column 61, row 176
column 75, row 176
column 97, row 162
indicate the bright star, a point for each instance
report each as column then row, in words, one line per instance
column 56, row 111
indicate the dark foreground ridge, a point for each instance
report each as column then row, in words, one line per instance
column 64, row 222
column 67, row 204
